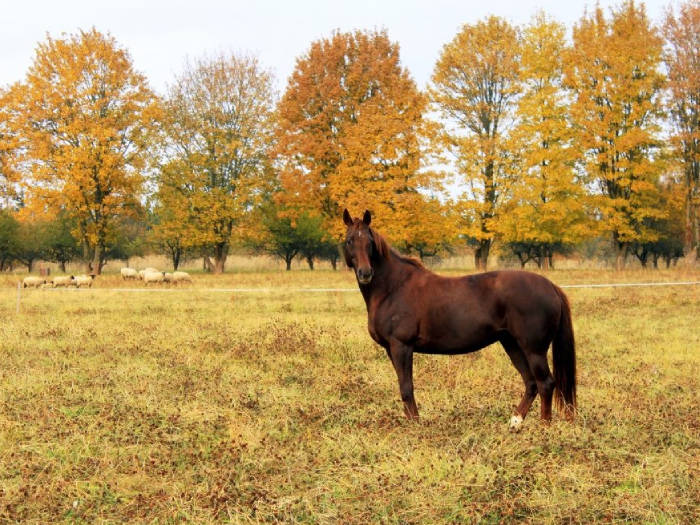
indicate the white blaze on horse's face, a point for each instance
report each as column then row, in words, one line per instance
column 358, row 246
column 361, row 254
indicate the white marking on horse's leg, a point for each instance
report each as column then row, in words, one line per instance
column 516, row 421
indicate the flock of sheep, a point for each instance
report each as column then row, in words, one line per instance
column 152, row 275
column 59, row 281
column 149, row 275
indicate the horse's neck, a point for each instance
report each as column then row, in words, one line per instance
column 389, row 275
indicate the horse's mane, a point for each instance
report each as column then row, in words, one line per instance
column 385, row 250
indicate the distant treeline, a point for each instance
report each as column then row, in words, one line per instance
column 535, row 141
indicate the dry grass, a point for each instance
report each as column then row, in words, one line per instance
column 203, row 407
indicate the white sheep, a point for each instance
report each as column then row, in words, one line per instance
column 181, row 277
column 129, row 273
column 63, row 280
column 84, row 280
column 153, row 277
column 168, row 277
column 33, row 282
column 147, row 270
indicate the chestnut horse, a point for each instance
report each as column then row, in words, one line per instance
column 410, row 309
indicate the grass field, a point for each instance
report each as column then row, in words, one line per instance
column 194, row 406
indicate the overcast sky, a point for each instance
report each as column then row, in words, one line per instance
column 160, row 34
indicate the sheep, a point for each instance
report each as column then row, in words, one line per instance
column 181, row 277
column 129, row 273
column 147, row 270
column 33, row 282
column 84, row 280
column 153, row 277
column 168, row 277
column 63, row 280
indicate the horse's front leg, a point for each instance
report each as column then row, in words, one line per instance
column 402, row 359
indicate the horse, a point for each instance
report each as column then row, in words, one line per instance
column 411, row 309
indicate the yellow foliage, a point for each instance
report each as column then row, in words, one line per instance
column 350, row 124
column 217, row 127
column 474, row 84
column 682, row 59
column 546, row 203
column 82, row 119
column 613, row 69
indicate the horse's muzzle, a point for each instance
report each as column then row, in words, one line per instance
column 364, row 275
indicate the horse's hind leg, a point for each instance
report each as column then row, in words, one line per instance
column 517, row 357
column 545, row 382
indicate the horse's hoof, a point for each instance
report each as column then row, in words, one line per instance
column 516, row 422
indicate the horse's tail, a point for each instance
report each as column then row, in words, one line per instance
column 564, row 357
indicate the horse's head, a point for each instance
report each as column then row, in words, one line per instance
column 359, row 246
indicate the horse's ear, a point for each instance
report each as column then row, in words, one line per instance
column 346, row 218
column 367, row 217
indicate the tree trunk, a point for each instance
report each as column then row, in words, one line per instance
column 310, row 261
column 288, row 260
column 62, row 266
column 334, row 263
column 620, row 255
column 219, row 264
column 692, row 218
column 86, row 256
column 96, row 266
column 220, row 256
column 30, row 265
column 481, row 255
column 523, row 259
column 207, row 265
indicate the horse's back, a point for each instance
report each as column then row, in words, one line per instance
column 463, row 314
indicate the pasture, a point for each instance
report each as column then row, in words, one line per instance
column 196, row 406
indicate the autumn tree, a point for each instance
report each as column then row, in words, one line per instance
column 474, row 86
column 613, row 70
column 8, row 154
column 349, row 133
column 172, row 227
column 82, row 119
column 667, row 243
column 546, row 208
column 218, row 129
column 682, row 59
column 429, row 229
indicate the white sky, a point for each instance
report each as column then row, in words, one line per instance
column 161, row 34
